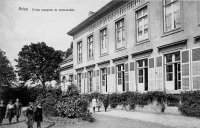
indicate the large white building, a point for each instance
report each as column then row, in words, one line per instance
column 138, row 45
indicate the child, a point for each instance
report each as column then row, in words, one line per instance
column 38, row 115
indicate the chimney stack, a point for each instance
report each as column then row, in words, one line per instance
column 91, row 13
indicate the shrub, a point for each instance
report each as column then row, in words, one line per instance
column 190, row 104
column 114, row 100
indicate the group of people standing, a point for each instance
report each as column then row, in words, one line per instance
column 97, row 102
column 32, row 114
column 10, row 110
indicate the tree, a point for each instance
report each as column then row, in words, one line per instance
column 38, row 59
column 7, row 75
column 69, row 50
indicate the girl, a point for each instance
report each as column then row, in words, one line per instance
column 38, row 115
column 10, row 111
column 30, row 115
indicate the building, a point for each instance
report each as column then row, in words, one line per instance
column 138, row 45
column 66, row 72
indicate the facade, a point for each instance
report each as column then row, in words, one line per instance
column 66, row 73
column 138, row 45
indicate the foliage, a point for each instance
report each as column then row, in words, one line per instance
column 69, row 50
column 38, row 59
column 7, row 75
column 190, row 104
column 114, row 100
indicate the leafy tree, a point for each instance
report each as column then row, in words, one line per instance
column 7, row 75
column 69, row 50
column 38, row 59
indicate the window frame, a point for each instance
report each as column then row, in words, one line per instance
column 81, row 54
column 90, row 36
column 106, row 79
column 79, row 77
column 100, row 32
column 136, row 23
column 124, row 45
column 175, row 30
column 90, row 77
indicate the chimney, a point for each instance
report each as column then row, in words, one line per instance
column 91, row 13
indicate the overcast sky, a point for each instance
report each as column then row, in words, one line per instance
column 19, row 28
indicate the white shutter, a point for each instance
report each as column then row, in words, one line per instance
column 151, row 75
column 132, row 78
column 159, row 73
column 185, row 70
column 126, row 77
column 195, row 61
column 82, row 82
column 98, row 80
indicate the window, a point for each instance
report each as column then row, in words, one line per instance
column 142, row 24
column 90, row 75
column 104, row 78
column 79, row 51
column 142, row 66
column 120, row 34
column 79, row 82
column 90, row 47
column 71, row 78
column 120, row 76
column 172, row 16
column 103, row 41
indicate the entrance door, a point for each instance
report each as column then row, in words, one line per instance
column 120, row 78
column 172, row 71
column 142, row 74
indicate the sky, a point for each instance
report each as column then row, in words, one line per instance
column 21, row 24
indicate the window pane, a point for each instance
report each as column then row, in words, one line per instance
column 141, row 72
column 176, row 6
column 140, row 63
column 146, row 62
column 168, row 58
column 119, row 81
column 139, row 13
column 169, row 77
column 168, row 22
column 177, row 21
column 179, row 76
column 169, row 68
column 145, row 11
column 177, row 56
column 140, row 79
column 119, row 75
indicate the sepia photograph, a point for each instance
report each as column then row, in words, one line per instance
column 99, row 63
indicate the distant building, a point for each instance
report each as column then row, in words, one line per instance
column 66, row 73
column 137, row 45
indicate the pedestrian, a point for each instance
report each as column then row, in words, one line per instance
column 18, row 107
column 30, row 115
column 10, row 111
column 106, row 102
column 94, row 103
column 98, row 104
column 38, row 115
column 2, row 111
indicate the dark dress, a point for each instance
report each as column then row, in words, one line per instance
column 30, row 116
column 2, row 112
column 18, row 107
column 38, row 115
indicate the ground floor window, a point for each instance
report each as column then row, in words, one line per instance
column 79, row 82
column 90, row 75
column 172, row 71
column 120, row 76
column 104, row 79
column 142, row 74
column 71, row 78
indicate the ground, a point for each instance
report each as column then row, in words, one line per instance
column 102, row 121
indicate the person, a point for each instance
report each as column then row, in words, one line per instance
column 10, row 111
column 98, row 104
column 106, row 103
column 18, row 107
column 94, row 103
column 38, row 115
column 2, row 111
column 30, row 115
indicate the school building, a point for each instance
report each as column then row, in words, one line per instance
column 137, row 45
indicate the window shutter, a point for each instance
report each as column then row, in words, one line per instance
column 132, row 66
column 74, row 76
column 185, row 69
column 126, row 77
column 94, row 73
column 108, row 70
column 126, row 67
column 97, row 72
column 151, row 75
column 113, row 69
column 196, row 68
column 159, row 73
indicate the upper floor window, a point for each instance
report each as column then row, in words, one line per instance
column 120, row 34
column 142, row 23
column 90, row 47
column 172, row 16
column 103, row 41
column 79, row 51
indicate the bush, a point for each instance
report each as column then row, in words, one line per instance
column 190, row 104
column 114, row 100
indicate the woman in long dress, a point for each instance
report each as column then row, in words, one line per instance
column 10, row 111
column 18, row 107
column 38, row 115
column 94, row 104
column 30, row 115
column 2, row 111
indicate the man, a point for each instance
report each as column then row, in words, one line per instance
column 18, row 107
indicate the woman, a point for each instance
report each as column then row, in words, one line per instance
column 30, row 115
column 2, row 111
column 10, row 111
column 105, row 102
column 98, row 104
column 38, row 115
column 94, row 104
column 18, row 107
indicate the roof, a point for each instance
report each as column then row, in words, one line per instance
column 68, row 59
column 112, row 5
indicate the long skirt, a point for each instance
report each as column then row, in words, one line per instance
column 30, row 120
